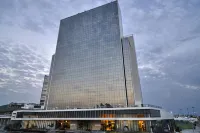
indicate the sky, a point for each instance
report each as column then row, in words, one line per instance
column 166, row 33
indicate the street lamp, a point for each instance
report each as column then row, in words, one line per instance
column 193, row 110
column 180, row 112
column 187, row 112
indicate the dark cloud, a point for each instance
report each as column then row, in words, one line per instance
column 166, row 37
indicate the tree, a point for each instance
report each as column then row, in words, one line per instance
column 108, row 105
column 101, row 105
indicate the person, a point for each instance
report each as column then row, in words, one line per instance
column 178, row 130
column 194, row 126
column 152, row 128
column 167, row 128
column 143, row 128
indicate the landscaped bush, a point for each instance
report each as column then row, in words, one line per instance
column 184, row 125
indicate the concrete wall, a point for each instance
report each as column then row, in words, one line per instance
column 73, row 125
column 166, row 115
column 96, row 125
column 4, row 121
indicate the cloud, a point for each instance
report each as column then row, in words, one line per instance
column 190, row 87
column 167, row 39
column 22, row 69
column 18, row 91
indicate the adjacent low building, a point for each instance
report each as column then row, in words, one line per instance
column 44, row 92
column 106, row 119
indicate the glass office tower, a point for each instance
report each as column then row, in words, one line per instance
column 93, row 63
column 44, row 93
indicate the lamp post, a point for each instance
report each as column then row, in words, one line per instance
column 187, row 112
column 193, row 111
column 180, row 112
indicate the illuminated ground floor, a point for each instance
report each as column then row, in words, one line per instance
column 144, row 119
column 103, row 125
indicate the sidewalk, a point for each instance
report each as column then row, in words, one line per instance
column 197, row 130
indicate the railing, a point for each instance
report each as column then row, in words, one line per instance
column 6, row 115
column 116, row 106
column 149, row 105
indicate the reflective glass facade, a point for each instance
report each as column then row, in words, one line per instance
column 134, row 94
column 89, row 66
column 127, row 70
column 44, row 93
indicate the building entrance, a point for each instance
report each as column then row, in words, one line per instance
column 142, row 126
column 63, row 125
column 84, row 125
column 108, row 125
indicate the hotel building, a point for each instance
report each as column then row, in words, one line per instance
column 94, row 82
